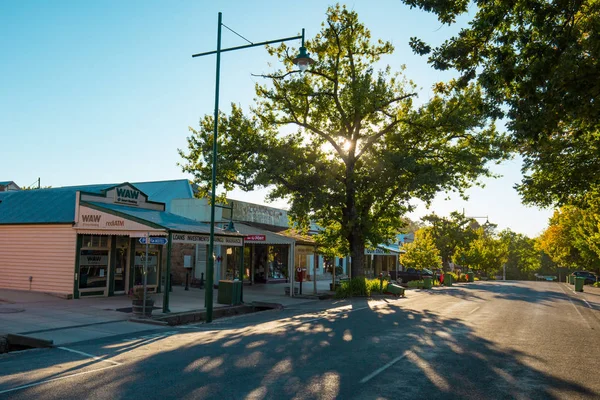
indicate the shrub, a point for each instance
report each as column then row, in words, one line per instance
column 416, row 284
column 359, row 287
column 476, row 279
column 597, row 284
column 454, row 276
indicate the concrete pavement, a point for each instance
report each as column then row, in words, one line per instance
column 48, row 317
column 485, row 340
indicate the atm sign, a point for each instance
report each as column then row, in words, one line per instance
column 255, row 238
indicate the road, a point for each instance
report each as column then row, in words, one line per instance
column 484, row 340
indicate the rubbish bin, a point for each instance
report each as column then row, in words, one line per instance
column 229, row 292
column 572, row 279
column 471, row 276
column 579, row 282
column 427, row 282
column 447, row 280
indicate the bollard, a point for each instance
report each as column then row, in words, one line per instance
column 187, row 281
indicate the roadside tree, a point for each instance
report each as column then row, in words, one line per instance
column 538, row 63
column 345, row 143
column 422, row 252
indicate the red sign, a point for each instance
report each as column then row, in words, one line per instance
column 255, row 238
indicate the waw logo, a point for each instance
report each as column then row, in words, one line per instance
column 128, row 193
column 90, row 218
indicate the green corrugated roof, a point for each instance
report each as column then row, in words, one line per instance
column 37, row 206
column 57, row 205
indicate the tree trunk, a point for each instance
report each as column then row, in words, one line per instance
column 357, row 250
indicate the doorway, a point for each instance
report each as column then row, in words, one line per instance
column 121, row 265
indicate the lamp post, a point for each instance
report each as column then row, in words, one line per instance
column 303, row 60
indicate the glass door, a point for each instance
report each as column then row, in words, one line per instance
column 122, row 262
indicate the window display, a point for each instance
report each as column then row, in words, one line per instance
column 93, row 269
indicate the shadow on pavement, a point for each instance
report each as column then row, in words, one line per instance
column 429, row 356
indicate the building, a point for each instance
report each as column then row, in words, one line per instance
column 5, row 186
column 86, row 240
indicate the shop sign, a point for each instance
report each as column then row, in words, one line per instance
column 140, row 261
column 93, row 260
column 191, row 238
column 90, row 218
column 379, row 252
column 305, row 250
column 129, row 196
column 255, row 238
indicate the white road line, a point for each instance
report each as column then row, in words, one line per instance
column 386, row 366
column 589, row 305
column 89, row 355
column 576, row 309
column 56, row 379
column 472, row 311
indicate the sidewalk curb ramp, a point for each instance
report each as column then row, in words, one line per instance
column 13, row 342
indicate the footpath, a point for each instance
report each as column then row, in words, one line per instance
column 46, row 317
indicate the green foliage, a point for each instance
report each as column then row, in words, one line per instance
column 416, row 284
column 524, row 257
column 535, row 60
column 572, row 237
column 359, row 287
column 453, row 274
column 422, row 252
column 359, row 148
column 450, row 233
column 486, row 253
column 597, row 284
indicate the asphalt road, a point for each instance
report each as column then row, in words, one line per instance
column 487, row 340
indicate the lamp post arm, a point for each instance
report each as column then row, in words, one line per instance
column 251, row 45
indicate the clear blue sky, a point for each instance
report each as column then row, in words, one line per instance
column 103, row 92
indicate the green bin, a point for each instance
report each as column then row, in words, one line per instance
column 427, row 282
column 447, row 280
column 579, row 282
column 572, row 279
column 471, row 276
column 229, row 292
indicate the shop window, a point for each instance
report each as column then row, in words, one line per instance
column 140, row 262
column 93, row 269
column 95, row 241
column 278, row 262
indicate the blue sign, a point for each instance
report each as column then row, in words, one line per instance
column 154, row 240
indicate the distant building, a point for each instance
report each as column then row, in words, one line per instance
column 8, row 186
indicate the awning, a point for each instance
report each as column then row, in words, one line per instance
column 135, row 234
column 253, row 235
column 111, row 219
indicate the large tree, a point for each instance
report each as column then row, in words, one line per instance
column 524, row 258
column 422, row 252
column 486, row 253
column 538, row 63
column 450, row 233
column 345, row 143
column 572, row 237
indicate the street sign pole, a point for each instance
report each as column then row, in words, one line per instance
column 145, row 275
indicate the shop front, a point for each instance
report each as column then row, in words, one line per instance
column 267, row 255
column 112, row 255
column 381, row 260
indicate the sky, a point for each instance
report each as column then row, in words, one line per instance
column 104, row 92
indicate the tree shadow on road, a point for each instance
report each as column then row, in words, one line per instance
column 329, row 357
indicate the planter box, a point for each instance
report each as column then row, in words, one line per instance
column 138, row 307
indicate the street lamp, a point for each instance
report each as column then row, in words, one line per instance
column 303, row 60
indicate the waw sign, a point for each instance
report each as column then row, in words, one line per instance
column 128, row 195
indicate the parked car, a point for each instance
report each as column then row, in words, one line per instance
column 411, row 274
column 590, row 278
